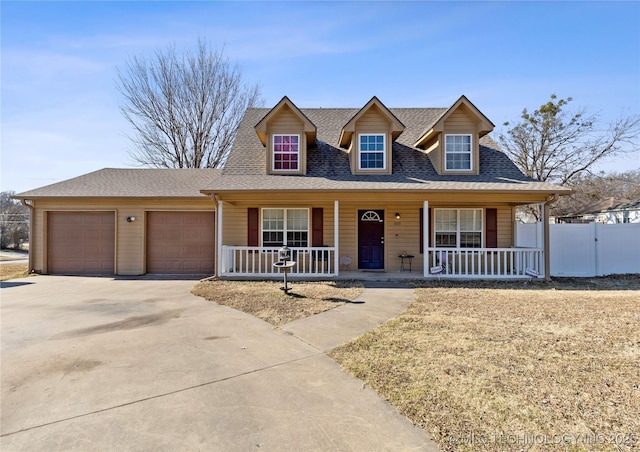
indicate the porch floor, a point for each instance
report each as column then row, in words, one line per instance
column 368, row 275
column 363, row 275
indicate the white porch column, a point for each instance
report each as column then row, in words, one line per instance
column 547, row 257
column 218, row 265
column 425, row 239
column 336, row 236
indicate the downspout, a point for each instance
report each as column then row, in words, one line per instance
column 547, row 258
column 28, row 203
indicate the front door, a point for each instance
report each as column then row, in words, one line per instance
column 371, row 239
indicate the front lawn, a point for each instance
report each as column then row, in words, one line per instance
column 11, row 271
column 509, row 366
column 265, row 300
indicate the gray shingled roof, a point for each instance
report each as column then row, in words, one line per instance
column 327, row 167
column 130, row 183
column 328, row 164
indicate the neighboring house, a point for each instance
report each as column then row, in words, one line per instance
column 346, row 189
column 607, row 211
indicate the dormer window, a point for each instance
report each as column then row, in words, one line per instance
column 286, row 152
column 286, row 133
column 372, row 151
column 457, row 150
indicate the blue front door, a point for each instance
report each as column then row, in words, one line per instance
column 371, row 239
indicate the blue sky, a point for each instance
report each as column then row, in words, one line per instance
column 60, row 115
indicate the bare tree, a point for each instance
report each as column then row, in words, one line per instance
column 185, row 109
column 597, row 190
column 14, row 221
column 555, row 145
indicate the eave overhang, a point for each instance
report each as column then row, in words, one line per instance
column 310, row 128
column 484, row 124
column 346, row 134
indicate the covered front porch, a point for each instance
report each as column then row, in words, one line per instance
column 340, row 260
column 321, row 262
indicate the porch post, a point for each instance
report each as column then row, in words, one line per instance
column 545, row 226
column 336, row 236
column 218, row 265
column 425, row 239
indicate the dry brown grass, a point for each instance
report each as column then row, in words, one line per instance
column 507, row 366
column 11, row 271
column 265, row 300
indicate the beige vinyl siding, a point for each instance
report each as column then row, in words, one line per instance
column 348, row 225
column 505, row 226
column 235, row 218
column 288, row 123
column 130, row 237
column 400, row 236
column 461, row 121
column 373, row 121
column 36, row 240
column 403, row 236
column 434, row 152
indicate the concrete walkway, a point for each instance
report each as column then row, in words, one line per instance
column 379, row 302
column 102, row 364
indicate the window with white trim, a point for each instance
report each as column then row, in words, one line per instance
column 285, row 227
column 458, row 228
column 371, row 151
column 286, row 152
column 457, row 150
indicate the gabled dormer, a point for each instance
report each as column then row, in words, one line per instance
column 452, row 141
column 369, row 137
column 286, row 133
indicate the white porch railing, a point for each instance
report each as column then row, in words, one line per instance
column 485, row 263
column 464, row 263
column 258, row 261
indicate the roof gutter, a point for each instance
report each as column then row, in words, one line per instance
column 545, row 209
column 28, row 203
column 552, row 192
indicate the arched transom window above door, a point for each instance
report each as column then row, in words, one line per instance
column 370, row 215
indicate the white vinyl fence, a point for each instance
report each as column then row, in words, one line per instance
column 591, row 249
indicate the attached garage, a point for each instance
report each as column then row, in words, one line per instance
column 81, row 243
column 180, row 242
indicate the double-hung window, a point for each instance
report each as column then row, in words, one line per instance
column 372, row 151
column 458, row 228
column 285, row 227
column 286, row 152
column 457, row 149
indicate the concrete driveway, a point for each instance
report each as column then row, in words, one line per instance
column 125, row 364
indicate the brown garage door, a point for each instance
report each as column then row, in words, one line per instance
column 180, row 242
column 81, row 242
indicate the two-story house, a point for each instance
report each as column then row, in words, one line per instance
column 347, row 190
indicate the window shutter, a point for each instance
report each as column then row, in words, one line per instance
column 491, row 227
column 253, row 230
column 317, row 224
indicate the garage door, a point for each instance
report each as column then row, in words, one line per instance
column 180, row 242
column 81, row 242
